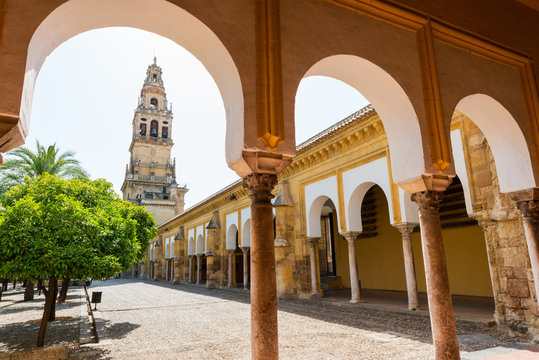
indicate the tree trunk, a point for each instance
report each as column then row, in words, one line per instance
column 54, row 286
column 49, row 303
column 14, row 283
column 29, row 290
column 63, row 292
column 39, row 286
column 4, row 284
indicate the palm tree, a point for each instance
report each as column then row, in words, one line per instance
column 23, row 162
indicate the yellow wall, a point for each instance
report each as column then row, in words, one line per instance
column 467, row 261
column 380, row 258
column 381, row 264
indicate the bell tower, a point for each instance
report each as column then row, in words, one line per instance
column 150, row 176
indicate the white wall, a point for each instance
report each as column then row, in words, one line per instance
column 316, row 194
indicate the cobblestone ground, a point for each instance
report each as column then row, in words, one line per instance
column 149, row 320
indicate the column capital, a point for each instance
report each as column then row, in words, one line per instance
column 527, row 202
column 230, row 252
column 350, row 235
column 529, row 209
column 428, row 200
column 260, row 186
column 312, row 240
column 245, row 248
column 405, row 228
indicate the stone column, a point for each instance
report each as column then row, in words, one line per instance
column 245, row 250
column 264, row 333
column 411, row 283
column 190, row 276
column 530, row 218
column 316, row 291
column 230, row 268
column 444, row 333
column 351, row 238
column 198, row 268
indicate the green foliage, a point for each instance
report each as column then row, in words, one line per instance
column 70, row 229
column 23, row 162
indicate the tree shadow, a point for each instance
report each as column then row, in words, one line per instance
column 23, row 335
column 37, row 304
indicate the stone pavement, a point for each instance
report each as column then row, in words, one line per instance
column 158, row 320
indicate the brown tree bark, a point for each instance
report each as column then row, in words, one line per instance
column 29, row 290
column 63, row 292
column 14, row 283
column 54, row 294
column 4, row 284
column 49, row 302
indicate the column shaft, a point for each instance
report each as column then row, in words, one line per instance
column 190, row 279
column 230, row 268
column 313, row 249
column 352, row 263
column 442, row 321
column 530, row 218
column 198, row 269
column 409, row 269
column 245, row 267
column 264, row 333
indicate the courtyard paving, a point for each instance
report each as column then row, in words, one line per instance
column 158, row 320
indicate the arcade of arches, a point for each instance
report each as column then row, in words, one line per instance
column 424, row 67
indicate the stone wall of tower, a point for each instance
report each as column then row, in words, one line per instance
column 150, row 178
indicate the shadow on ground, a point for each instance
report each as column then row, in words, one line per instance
column 410, row 326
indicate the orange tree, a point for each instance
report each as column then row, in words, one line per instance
column 55, row 228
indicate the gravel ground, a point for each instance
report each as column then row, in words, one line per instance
column 149, row 320
column 20, row 321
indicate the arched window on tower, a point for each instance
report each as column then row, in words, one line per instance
column 153, row 103
column 143, row 129
column 153, row 128
column 164, row 132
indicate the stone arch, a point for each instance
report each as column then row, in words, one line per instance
column 390, row 102
column 356, row 200
column 160, row 17
column 200, row 245
column 191, row 246
column 231, row 235
column 246, row 233
column 505, row 138
column 316, row 195
column 314, row 213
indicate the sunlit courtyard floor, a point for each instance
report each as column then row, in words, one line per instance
column 158, row 320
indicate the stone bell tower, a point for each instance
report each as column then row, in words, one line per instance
column 150, row 176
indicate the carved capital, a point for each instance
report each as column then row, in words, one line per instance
column 405, row 229
column 260, row 186
column 245, row 249
column 351, row 236
column 428, row 201
column 529, row 209
column 312, row 241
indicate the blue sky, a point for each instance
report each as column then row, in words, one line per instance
column 87, row 91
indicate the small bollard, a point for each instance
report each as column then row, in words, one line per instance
column 96, row 298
